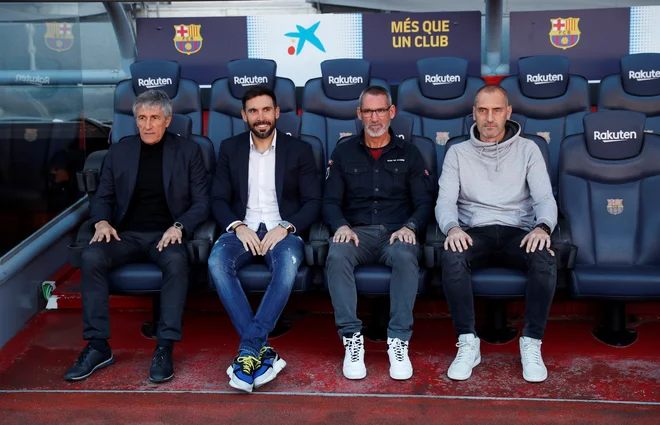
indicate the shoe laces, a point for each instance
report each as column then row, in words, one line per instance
column 400, row 349
column 83, row 354
column 264, row 350
column 354, row 346
column 465, row 352
column 248, row 364
column 159, row 357
column 532, row 352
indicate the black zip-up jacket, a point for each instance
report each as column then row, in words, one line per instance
column 392, row 191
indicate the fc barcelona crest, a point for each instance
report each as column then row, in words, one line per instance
column 188, row 38
column 441, row 137
column 564, row 32
column 59, row 36
column 544, row 134
column 615, row 206
column 31, row 134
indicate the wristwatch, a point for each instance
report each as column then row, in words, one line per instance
column 412, row 226
column 544, row 227
column 288, row 226
column 178, row 226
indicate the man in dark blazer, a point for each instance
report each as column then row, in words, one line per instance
column 267, row 191
column 153, row 192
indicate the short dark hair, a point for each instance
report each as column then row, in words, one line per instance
column 257, row 91
column 376, row 91
column 492, row 88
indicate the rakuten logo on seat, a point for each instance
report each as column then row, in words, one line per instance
column 544, row 79
column 608, row 136
column 340, row 81
column 153, row 83
column 644, row 75
column 438, row 80
column 246, row 81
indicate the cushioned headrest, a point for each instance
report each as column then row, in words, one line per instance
column 640, row 74
column 543, row 77
column 181, row 125
column 344, row 79
column 442, row 78
column 614, row 134
column 245, row 73
column 163, row 75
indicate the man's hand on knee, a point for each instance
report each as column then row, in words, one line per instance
column 537, row 238
column 104, row 231
column 457, row 240
column 249, row 238
column 404, row 234
column 345, row 234
column 171, row 236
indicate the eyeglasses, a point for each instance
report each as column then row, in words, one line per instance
column 381, row 112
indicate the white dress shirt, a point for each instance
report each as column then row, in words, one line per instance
column 262, row 206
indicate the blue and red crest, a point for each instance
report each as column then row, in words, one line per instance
column 188, row 38
column 59, row 36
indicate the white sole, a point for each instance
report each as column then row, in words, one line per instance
column 360, row 375
column 540, row 379
column 401, row 377
column 464, row 377
column 277, row 368
column 240, row 385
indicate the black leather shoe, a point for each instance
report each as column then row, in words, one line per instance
column 88, row 362
column 162, row 369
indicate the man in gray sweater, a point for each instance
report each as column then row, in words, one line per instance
column 495, row 205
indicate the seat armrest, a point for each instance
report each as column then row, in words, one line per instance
column 316, row 249
column 85, row 234
column 434, row 241
column 88, row 178
column 201, row 242
column 561, row 242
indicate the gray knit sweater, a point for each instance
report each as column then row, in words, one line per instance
column 503, row 183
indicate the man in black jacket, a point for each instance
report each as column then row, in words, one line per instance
column 378, row 197
column 153, row 191
column 266, row 192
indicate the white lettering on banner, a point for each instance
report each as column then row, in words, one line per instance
column 544, row 79
column 608, row 136
column 32, row 79
column 152, row 83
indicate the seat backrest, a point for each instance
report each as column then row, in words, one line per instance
column 635, row 88
column 547, row 100
column 538, row 140
column 156, row 74
column 439, row 98
column 330, row 103
column 225, row 103
column 609, row 180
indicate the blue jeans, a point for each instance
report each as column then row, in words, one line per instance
column 227, row 258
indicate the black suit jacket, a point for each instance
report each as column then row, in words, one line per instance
column 184, row 177
column 298, row 181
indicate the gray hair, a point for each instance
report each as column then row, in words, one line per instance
column 376, row 91
column 152, row 98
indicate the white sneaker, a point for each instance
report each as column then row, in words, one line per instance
column 400, row 366
column 469, row 356
column 530, row 356
column 354, row 358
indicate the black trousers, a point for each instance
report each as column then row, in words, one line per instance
column 499, row 246
column 100, row 258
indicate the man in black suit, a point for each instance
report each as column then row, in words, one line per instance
column 153, row 191
column 266, row 192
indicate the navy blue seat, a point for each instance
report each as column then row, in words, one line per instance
column 439, row 99
column 635, row 88
column 548, row 101
column 225, row 104
column 330, row 103
column 157, row 74
column 609, row 180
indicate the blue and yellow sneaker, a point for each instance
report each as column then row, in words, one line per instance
column 243, row 368
column 271, row 365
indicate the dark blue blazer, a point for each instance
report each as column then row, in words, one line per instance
column 184, row 176
column 298, row 181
